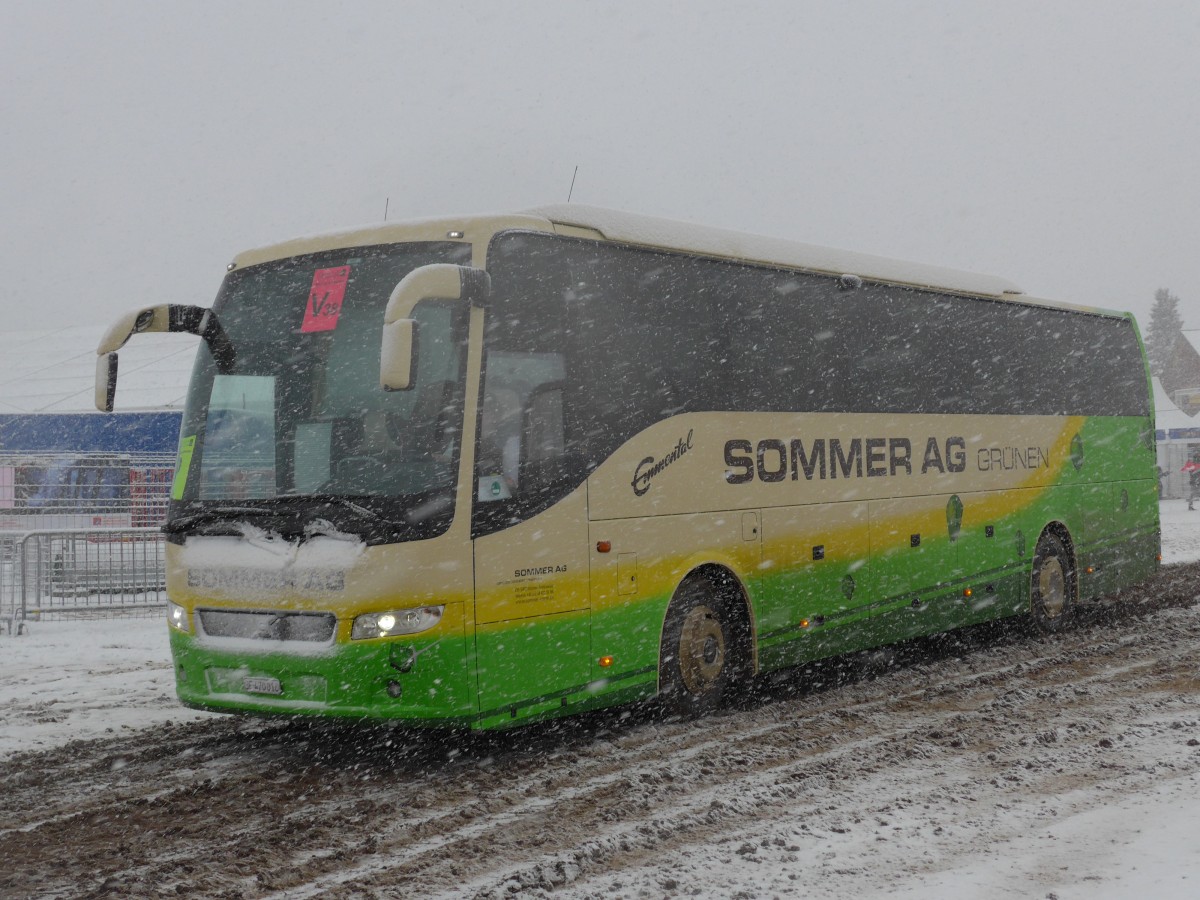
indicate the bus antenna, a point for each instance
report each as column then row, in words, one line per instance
column 572, row 190
column 386, row 201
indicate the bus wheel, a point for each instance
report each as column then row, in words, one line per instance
column 1052, row 593
column 697, row 651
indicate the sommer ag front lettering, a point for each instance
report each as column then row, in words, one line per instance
column 774, row 459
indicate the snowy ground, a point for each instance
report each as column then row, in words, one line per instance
column 1007, row 766
column 1180, row 532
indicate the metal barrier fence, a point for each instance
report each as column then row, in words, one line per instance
column 83, row 490
column 96, row 571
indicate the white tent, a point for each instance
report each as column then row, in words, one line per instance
column 1177, row 436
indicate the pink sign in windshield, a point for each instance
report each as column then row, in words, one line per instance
column 325, row 299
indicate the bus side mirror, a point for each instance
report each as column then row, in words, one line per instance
column 398, row 356
column 106, row 381
column 163, row 318
column 442, row 281
column 152, row 318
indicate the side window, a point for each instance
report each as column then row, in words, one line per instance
column 513, row 446
column 544, row 461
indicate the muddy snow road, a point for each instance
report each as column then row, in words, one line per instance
column 988, row 761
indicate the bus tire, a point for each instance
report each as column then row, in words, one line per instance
column 1053, row 585
column 699, row 650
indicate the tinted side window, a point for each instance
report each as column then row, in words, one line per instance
column 635, row 339
column 644, row 335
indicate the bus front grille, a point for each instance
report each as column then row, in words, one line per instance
column 268, row 625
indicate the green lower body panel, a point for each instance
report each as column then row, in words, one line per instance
column 420, row 681
column 423, row 683
column 626, row 687
column 549, row 666
column 922, row 612
column 531, row 662
column 1117, row 562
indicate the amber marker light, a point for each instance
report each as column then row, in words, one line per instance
column 804, row 623
column 967, row 592
column 605, row 662
column 1090, row 569
column 603, row 546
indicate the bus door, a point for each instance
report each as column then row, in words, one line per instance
column 532, row 639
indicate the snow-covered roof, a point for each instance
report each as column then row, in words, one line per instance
column 55, row 370
column 671, row 234
column 648, row 231
column 665, row 234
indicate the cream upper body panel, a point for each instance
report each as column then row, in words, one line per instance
column 475, row 230
column 727, row 461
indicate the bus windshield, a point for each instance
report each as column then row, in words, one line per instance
column 297, row 431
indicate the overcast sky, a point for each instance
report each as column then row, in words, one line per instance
column 1056, row 144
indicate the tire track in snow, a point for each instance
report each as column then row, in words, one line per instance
column 246, row 808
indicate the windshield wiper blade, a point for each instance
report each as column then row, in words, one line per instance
column 295, row 513
column 215, row 514
column 345, row 503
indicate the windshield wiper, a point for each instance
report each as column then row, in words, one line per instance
column 213, row 515
column 362, row 511
column 297, row 515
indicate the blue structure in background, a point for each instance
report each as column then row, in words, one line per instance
column 86, row 432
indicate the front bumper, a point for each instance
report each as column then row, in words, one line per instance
column 420, row 678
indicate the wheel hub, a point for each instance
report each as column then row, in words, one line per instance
column 701, row 650
column 1052, row 588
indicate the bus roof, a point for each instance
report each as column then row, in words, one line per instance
column 670, row 234
column 663, row 234
column 674, row 235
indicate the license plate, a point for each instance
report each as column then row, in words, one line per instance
column 261, row 685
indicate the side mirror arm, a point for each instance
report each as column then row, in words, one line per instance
column 164, row 318
column 398, row 353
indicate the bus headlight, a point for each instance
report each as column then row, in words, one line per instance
column 177, row 617
column 400, row 621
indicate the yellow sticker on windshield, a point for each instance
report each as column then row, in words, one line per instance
column 186, row 446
